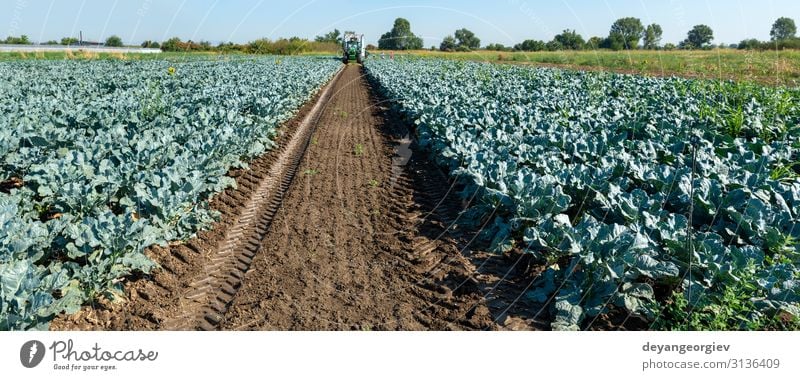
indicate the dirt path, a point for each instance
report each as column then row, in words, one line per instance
column 334, row 258
column 345, row 226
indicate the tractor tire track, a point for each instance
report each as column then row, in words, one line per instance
column 345, row 226
column 347, row 250
column 197, row 279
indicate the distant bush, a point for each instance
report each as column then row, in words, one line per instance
column 531, row 45
column 595, row 43
column 754, row 44
column 66, row 41
column 229, row 47
column 114, row 41
column 176, row 45
column 554, row 46
column 290, row 46
column 497, row 47
column 151, row 45
column 789, row 43
column 570, row 40
column 283, row 46
column 750, row 44
column 21, row 40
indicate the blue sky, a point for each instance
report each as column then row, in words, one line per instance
column 503, row 21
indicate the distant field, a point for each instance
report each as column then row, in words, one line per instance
column 14, row 56
column 5, row 56
column 776, row 68
column 769, row 67
column 6, row 48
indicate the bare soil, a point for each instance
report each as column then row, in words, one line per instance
column 357, row 234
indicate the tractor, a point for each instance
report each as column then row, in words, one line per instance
column 353, row 47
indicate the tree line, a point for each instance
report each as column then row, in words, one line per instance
column 283, row 46
column 625, row 34
column 113, row 41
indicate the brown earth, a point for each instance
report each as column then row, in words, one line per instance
column 340, row 254
column 357, row 233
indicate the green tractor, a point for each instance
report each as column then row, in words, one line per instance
column 353, row 46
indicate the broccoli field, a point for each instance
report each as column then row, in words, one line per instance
column 604, row 176
column 229, row 193
column 101, row 159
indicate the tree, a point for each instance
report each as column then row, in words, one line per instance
column 783, row 29
column 225, row 47
column 155, row 45
column 51, row 42
column 114, row 41
column 652, row 36
column 595, row 43
column 282, row 46
column 698, row 38
column 570, row 40
column 448, row 44
column 531, row 45
column 497, row 47
column 66, row 41
column 625, row 33
column 259, row 46
column 669, row 46
column 613, row 42
column 467, row 40
column 21, row 40
column 386, row 41
column 554, row 46
column 400, row 37
column 749, row 44
column 333, row 37
column 172, row 44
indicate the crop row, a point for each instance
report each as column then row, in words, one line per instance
column 597, row 176
column 99, row 160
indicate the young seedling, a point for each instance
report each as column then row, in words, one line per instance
column 374, row 183
column 359, row 150
column 311, row 172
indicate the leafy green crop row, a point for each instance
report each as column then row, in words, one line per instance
column 590, row 172
column 99, row 160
